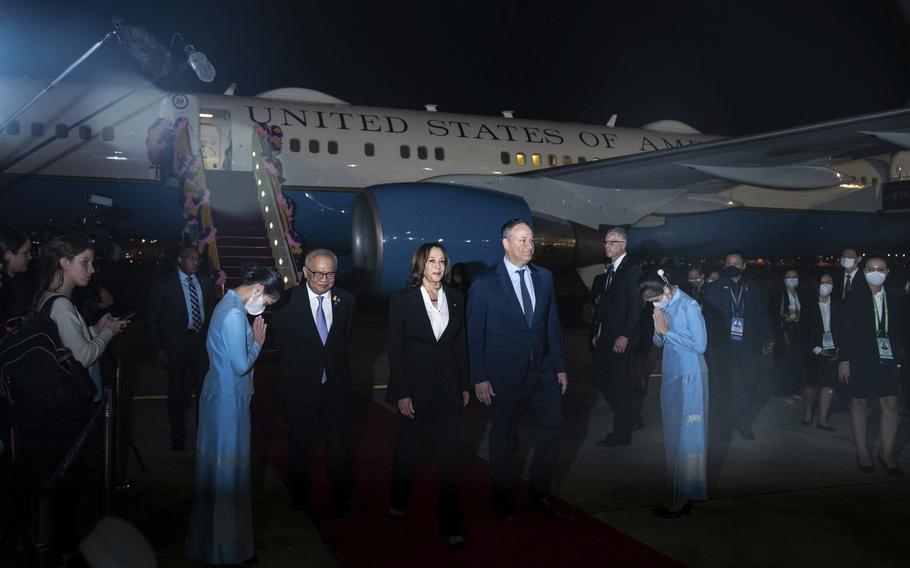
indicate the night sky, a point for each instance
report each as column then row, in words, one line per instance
column 725, row 67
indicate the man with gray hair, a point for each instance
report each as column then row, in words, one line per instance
column 616, row 334
column 312, row 333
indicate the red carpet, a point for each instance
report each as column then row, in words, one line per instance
column 374, row 540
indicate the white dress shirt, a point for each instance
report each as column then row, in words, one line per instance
column 516, row 283
column 439, row 316
column 879, row 298
column 326, row 305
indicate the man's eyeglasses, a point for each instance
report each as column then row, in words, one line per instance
column 608, row 243
column 321, row 275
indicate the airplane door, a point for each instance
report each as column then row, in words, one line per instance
column 215, row 138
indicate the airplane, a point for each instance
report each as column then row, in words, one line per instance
column 372, row 183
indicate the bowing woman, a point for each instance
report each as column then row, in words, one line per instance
column 221, row 524
column 429, row 381
column 680, row 329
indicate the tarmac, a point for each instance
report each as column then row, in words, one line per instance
column 792, row 497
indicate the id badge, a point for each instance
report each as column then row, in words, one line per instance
column 884, row 348
column 827, row 340
column 736, row 328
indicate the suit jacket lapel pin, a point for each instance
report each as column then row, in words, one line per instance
column 335, row 300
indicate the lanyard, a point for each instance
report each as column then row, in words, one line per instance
column 737, row 300
column 881, row 322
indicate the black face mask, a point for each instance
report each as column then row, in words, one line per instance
column 732, row 271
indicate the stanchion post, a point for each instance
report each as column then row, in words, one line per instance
column 108, row 450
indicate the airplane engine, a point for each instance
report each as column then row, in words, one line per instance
column 391, row 221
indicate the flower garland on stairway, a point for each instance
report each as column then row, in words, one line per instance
column 273, row 137
column 169, row 148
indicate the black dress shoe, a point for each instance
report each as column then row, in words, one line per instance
column 826, row 427
column 178, row 445
column 746, row 432
column 545, row 506
column 665, row 513
column 895, row 471
column 347, row 512
column 613, row 440
column 637, row 424
column 251, row 561
column 503, row 511
column 864, row 468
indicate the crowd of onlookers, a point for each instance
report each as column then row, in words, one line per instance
column 834, row 333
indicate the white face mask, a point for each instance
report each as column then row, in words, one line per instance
column 876, row 278
column 255, row 305
column 663, row 301
column 825, row 289
column 791, row 282
column 848, row 263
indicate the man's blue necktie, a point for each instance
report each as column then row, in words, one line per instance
column 525, row 298
column 322, row 327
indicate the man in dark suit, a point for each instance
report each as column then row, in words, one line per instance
column 517, row 359
column 176, row 321
column 616, row 334
column 312, row 333
column 850, row 261
column 739, row 331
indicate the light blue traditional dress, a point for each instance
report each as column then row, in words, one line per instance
column 221, row 526
column 684, row 398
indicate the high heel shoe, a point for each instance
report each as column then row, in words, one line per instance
column 666, row 513
column 895, row 471
column 864, row 468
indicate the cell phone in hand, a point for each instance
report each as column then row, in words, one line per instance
column 128, row 315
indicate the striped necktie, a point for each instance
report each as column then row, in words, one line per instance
column 196, row 324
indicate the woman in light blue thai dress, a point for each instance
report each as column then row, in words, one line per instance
column 680, row 329
column 221, row 527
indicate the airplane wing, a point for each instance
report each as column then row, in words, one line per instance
column 761, row 170
column 794, row 158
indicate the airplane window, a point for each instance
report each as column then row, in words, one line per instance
column 535, row 160
column 582, row 159
column 440, row 153
column 333, row 147
column 85, row 132
column 107, row 133
column 504, row 158
column 405, row 151
column 566, row 160
column 13, row 128
column 422, row 152
column 314, row 146
column 295, row 144
column 37, row 129
column 552, row 160
column 62, row 131
column 520, row 159
column 369, row 149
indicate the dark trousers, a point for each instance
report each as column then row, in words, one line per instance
column 789, row 363
column 905, row 378
column 735, row 398
column 441, row 414
column 613, row 380
column 644, row 358
column 543, row 397
column 190, row 356
column 303, row 413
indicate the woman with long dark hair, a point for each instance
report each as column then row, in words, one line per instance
column 67, row 262
column 429, row 381
column 221, row 524
column 680, row 329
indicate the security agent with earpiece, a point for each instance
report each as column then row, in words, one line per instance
column 739, row 331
